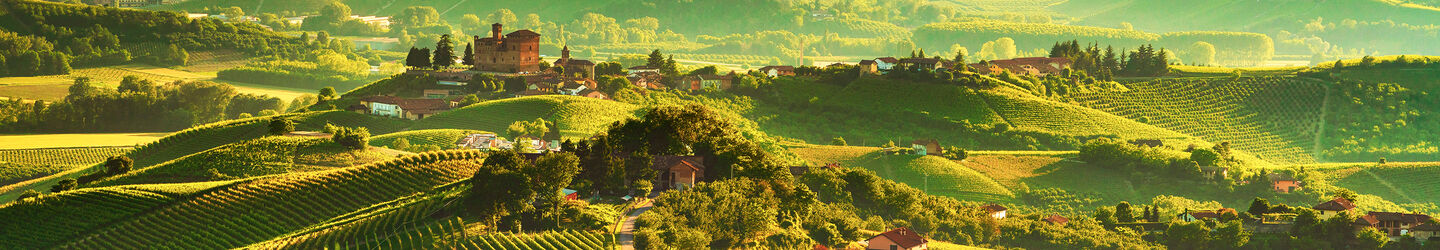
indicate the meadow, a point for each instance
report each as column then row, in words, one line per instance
column 574, row 117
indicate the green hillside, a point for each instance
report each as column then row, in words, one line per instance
column 18, row 165
column 423, row 139
column 945, row 177
column 1274, row 118
column 264, row 156
column 1026, row 112
column 1402, row 183
column 1236, row 15
column 574, row 117
column 246, row 211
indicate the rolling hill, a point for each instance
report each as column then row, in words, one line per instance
column 936, row 175
column 1236, row 15
column 574, row 117
column 263, row 156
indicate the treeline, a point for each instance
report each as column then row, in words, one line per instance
column 136, row 105
column 30, row 56
column 1231, row 47
column 1143, row 61
column 330, row 62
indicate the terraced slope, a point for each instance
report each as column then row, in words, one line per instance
column 262, row 208
column 573, row 116
column 1272, row 117
column 946, row 177
column 264, row 156
column 1026, row 112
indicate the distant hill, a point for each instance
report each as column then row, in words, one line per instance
column 1167, row 16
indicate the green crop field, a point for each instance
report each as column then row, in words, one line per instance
column 403, row 222
column 439, row 138
column 247, row 211
column 1274, row 118
column 574, row 117
column 264, row 156
column 1400, row 183
column 18, row 165
column 42, row 221
column 946, row 178
column 1049, row 116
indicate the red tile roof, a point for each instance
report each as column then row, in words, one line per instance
column 1057, row 219
column 522, row 33
column 994, row 208
column 414, row 106
column 780, row 68
column 890, row 60
column 904, row 237
column 1338, row 204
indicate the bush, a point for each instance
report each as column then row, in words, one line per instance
column 28, row 194
column 118, row 165
column 64, row 185
column 281, row 126
column 353, row 138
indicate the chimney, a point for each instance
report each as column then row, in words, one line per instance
column 495, row 30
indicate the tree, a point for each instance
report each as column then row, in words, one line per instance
column 829, row 236
column 1205, row 157
column 1187, row 235
column 116, row 165
column 1123, row 214
column 552, row 172
column 322, row 39
column 1369, row 238
column 656, row 60
column 64, row 185
column 1005, row 47
column 400, row 144
column 1202, row 53
column 469, row 58
column 496, row 192
column 643, row 188
column 233, row 13
column 1230, row 235
column 1105, row 216
column 353, row 138
column 327, row 94
column 281, row 126
column 838, row 141
column 423, row 58
column 444, row 52
column 1259, row 206
column 1347, row 194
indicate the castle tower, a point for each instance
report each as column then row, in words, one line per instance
column 495, row 30
column 565, row 53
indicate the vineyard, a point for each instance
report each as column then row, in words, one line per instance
column 1026, row 112
column 260, row 209
column 42, row 221
column 574, row 116
column 1271, row 117
column 402, row 223
column 61, row 156
column 1401, row 184
column 264, row 156
column 547, row 240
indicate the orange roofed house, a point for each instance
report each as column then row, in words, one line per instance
column 413, row 109
column 1283, row 183
column 897, row 239
column 678, row 172
column 1334, row 207
column 517, row 52
column 1392, row 224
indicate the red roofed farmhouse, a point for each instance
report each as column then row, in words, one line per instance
column 413, row 109
column 678, row 172
column 899, row 238
column 1334, row 207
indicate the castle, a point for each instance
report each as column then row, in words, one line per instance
column 517, row 52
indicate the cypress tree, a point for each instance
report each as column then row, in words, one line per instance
column 469, row 55
column 444, row 52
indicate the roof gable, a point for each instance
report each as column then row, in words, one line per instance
column 904, row 237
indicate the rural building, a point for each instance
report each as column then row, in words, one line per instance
column 573, row 87
column 646, row 80
column 593, row 94
column 926, row 147
column 678, row 172
column 438, row 93
column 1154, row 143
column 869, row 67
column 413, row 109
column 995, row 211
column 642, row 69
column 986, row 69
column 1214, row 172
column 699, row 82
column 516, row 52
column 478, row 141
column 570, row 194
column 585, row 67
column 1334, row 207
column 1283, row 183
column 774, row 71
column 899, row 238
column 921, row 63
column 1425, row 232
column 1056, row 219
column 1392, row 224
column 886, row 63
column 1194, row 215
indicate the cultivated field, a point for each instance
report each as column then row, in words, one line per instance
column 936, row 175
column 77, row 140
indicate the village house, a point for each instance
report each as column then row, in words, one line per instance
column 869, row 67
column 928, row 64
column 438, row 93
column 886, row 63
column 926, row 147
column 1424, row 232
column 570, row 194
column 986, row 69
column 678, row 172
column 1055, row 219
column 478, row 141
column 646, row 80
column 1334, row 207
column 413, row 109
column 1194, row 215
column 699, row 82
column 593, row 94
column 1283, row 183
column 642, row 69
column 573, row 87
column 1214, row 172
column 1392, row 224
column 517, row 52
column 995, row 211
column 572, row 66
column 775, row 71
column 899, row 238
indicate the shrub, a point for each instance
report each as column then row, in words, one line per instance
column 281, row 126
column 118, row 165
column 64, row 185
column 353, row 138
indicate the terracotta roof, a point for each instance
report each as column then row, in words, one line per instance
column 415, row 106
column 867, row 62
column 780, row 68
column 522, row 33
column 1430, row 227
column 1401, row 217
column 666, row 161
column 1057, row 219
column 994, row 208
column 920, row 60
column 1367, row 220
column 904, row 237
column 890, row 60
column 1281, row 177
column 588, row 92
column 1338, row 204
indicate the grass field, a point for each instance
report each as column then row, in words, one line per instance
column 77, row 140
column 1026, row 112
column 574, row 117
column 945, row 177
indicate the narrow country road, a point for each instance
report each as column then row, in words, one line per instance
column 627, row 228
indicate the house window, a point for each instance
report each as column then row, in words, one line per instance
column 894, row 247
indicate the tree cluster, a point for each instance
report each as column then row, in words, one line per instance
column 136, row 105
